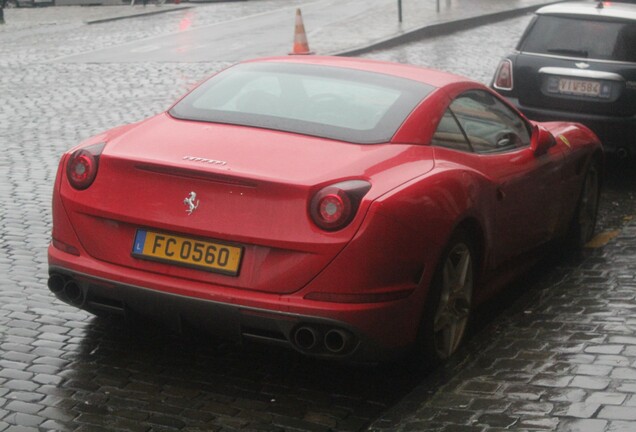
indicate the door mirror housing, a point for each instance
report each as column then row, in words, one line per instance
column 542, row 140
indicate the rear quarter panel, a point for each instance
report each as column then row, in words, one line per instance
column 401, row 239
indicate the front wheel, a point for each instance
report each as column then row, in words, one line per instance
column 449, row 304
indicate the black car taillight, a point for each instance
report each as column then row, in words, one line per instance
column 81, row 168
column 503, row 76
column 334, row 206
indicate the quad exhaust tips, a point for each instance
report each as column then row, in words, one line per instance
column 332, row 341
column 67, row 289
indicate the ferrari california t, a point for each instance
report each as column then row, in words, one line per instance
column 346, row 208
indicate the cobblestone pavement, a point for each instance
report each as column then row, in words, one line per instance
column 561, row 357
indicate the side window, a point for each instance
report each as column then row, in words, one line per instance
column 488, row 123
column 448, row 134
column 625, row 43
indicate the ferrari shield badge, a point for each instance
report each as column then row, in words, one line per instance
column 191, row 202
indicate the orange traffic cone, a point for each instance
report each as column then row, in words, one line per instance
column 301, row 46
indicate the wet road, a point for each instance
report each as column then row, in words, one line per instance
column 207, row 41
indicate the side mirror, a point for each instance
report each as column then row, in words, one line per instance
column 542, row 140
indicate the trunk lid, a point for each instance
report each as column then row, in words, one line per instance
column 252, row 188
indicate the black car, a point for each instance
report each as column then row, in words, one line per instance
column 576, row 61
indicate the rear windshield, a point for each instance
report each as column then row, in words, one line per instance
column 582, row 38
column 343, row 104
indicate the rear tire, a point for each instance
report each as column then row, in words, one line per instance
column 448, row 308
column 584, row 221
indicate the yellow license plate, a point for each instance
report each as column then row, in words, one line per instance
column 189, row 252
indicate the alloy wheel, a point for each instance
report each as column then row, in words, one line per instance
column 588, row 206
column 453, row 311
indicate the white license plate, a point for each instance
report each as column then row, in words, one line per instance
column 579, row 87
column 587, row 88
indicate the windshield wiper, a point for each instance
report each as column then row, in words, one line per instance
column 570, row 52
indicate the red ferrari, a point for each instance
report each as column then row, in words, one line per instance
column 345, row 208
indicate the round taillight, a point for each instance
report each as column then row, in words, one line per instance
column 81, row 169
column 333, row 207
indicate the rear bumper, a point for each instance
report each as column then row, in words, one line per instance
column 320, row 329
column 618, row 134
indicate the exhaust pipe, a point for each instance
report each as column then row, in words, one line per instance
column 622, row 153
column 74, row 293
column 337, row 341
column 305, row 337
column 56, row 283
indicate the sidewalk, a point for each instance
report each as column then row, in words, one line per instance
column 379, row 27
column 25, row 18
column 333, row 27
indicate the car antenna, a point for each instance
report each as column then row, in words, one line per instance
column 600, row 5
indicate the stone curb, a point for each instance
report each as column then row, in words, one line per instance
column 137, row 15
column 433, row 30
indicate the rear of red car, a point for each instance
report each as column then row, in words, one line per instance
column 247, row 231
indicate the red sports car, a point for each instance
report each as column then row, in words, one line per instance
column 346, row 208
